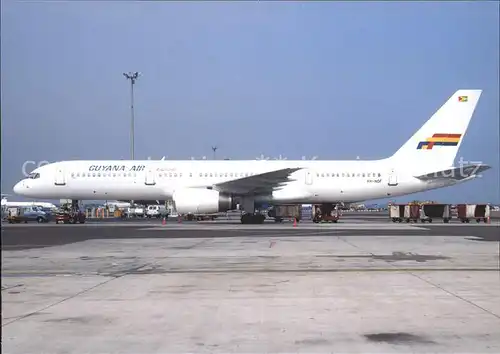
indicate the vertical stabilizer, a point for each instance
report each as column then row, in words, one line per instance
column 436, row 144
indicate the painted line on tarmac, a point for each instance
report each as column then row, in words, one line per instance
column 256, row 270
column 301, row 227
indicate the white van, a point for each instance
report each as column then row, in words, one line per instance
column 137, row 212
column 156, row 211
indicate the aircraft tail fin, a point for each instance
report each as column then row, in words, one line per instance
column 436, row 143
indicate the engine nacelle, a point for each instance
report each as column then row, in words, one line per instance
column 201, row 201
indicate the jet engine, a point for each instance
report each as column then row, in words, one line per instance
column 202, row 201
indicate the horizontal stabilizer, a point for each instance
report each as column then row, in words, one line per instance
column 455, row 173
column 257, row 184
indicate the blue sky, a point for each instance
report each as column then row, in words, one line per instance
column 335, row 80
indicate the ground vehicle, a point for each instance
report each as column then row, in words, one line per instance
column 137, row 212
column 466, row 212
column 397, row 212
column 156, row 211
column 326, row 213
column 423, row 212
column 430, row 211
column 25, row 214
column 280, row 212
column 70, row 214
column 70, row 217
column 200, row 217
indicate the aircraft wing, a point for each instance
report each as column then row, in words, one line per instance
column 455, row 173
column 257, row 184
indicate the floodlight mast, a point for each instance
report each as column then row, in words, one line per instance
column 132, row 76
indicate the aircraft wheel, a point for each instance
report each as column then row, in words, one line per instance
column 245, row 219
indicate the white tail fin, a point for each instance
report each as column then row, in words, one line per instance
column 436, row 144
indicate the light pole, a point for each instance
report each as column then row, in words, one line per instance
column 133, row 78
column 214, row 148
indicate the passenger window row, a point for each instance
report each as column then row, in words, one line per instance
column 99, row 174
column 349, row 174
column 161, row 175
column 211, row 174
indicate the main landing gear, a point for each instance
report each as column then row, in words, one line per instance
column 250, row 216
column 254, row 218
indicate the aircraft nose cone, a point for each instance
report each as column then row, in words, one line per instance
column 19, row 188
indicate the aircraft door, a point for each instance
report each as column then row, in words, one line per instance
column 60, row 179
column 150, row 177
column 393, row 178
column 309, row 177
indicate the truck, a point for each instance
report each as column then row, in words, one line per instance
column 290, row 211
column 156, row 211
column 480, row 212
column 25, row 214
column 326, row 213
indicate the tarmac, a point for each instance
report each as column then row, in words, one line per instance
column 362, row 285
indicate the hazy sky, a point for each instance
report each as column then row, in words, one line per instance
column 336, row 80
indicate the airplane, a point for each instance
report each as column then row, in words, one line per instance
column 118, row 203
column 6, row 203
column 424, row 162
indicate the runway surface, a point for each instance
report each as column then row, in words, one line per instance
column 363, row 285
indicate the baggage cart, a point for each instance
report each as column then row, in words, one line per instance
column 326, row 213
column 397, row 212
column 281, row 212
column 468, row 212
column 412, row 212
column 428, row 212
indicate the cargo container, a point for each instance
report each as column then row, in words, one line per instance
column 412, row 213
column 281, row 212
column 428, row 212
column 326, row 213
column 467, row 212
column 397, row 212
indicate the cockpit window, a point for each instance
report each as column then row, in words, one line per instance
column 34, row 175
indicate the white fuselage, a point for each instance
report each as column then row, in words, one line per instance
column 317, row 181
